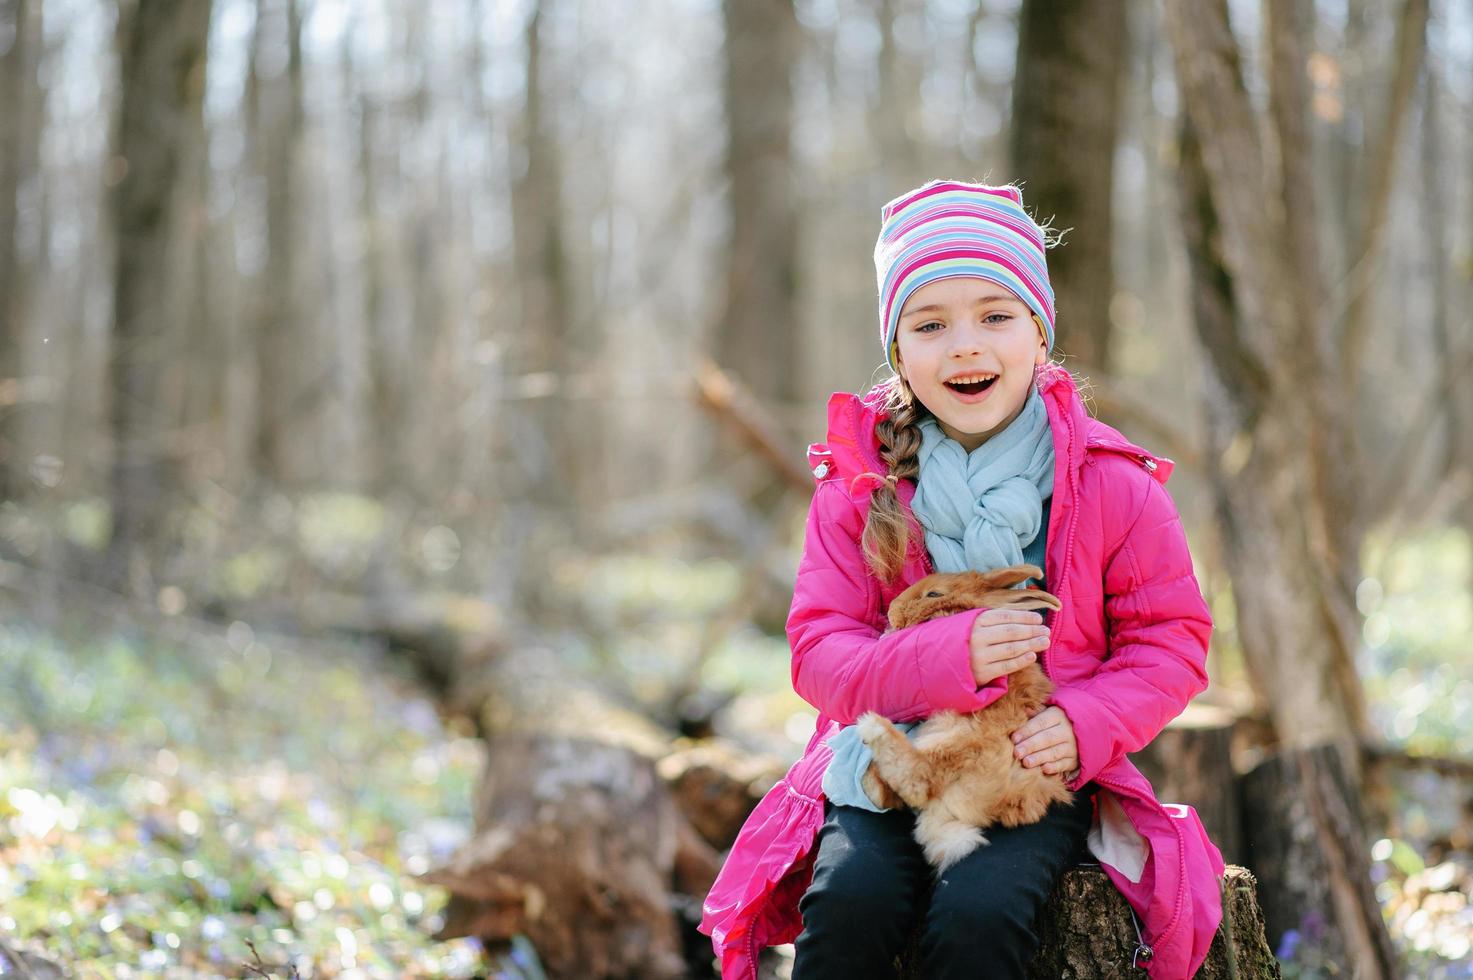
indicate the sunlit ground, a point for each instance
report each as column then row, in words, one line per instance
column 161, row 806
column 162, row 803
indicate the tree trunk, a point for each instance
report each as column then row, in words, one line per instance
column 574, row 847
column 278, row 115
column 757, row 339
column 162, row 43
column 546, row 349
column 1065, row 121
column 1311, row 851
column 1275, row 459
column 1411, row 49
column 1190, row 762
column 578, row 843
column 897, row 100
column 17, row 76
column 546, row 353
column 389, row 389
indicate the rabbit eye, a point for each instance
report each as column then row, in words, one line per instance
column 933, row 594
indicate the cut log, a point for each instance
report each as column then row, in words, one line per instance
column 716, row 787
column 1087, row 932
column 575, row 847
column 1190, row 762
column 578, row 843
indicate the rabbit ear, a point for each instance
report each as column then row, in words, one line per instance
column 1030, row 599
column 1002, row 578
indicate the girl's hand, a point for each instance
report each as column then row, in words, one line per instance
column 1047, row 739
column 1005, row 640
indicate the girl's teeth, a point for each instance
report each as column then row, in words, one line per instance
column 971, row 387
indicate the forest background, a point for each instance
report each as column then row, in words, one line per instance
column 347, row 346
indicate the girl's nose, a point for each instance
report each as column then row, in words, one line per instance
column 966, row 340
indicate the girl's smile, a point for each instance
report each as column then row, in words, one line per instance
column 968, row 348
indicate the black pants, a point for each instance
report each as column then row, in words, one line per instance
column 867, row 892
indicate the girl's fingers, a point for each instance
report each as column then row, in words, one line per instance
column 1011, row 631
column 1001, row 652
column 1049, row 740
column 1009, row 616
column 1054, row 753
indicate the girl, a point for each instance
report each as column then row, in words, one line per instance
column 976, row 453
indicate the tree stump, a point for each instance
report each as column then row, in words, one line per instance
column 1087, row 932
column 576, row 848
column 1190, row 762
column 717, row 787
column 1306, row 836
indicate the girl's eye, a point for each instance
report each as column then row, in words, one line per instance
column 922, row 327
column 996, row 318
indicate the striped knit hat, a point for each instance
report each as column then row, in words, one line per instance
column 949, row 228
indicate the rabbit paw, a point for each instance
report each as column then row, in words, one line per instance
column 871, row 727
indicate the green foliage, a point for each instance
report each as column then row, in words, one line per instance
column 162, row 805
column 635, row 585
column 338, row 531
column 1417, row 659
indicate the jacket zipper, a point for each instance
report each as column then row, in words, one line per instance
column 1181, row 879
column 1143, row 950
column 1127, row 449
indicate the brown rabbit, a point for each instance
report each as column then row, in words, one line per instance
column 959, row 773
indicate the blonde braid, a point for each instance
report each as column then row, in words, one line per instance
column 886, row 535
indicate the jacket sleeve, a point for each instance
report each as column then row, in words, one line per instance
column 1159, row 628
column 841, row 664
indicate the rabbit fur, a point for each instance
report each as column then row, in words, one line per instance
column 959, row 774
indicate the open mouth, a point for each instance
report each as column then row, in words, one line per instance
column 971, row 387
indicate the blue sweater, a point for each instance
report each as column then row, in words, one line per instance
column 1033, row 554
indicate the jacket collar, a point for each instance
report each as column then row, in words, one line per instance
column 853, row 447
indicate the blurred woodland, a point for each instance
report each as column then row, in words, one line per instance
column 398, row 400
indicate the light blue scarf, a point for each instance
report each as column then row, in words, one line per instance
column 979, row 511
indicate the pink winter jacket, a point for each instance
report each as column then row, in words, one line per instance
column 1128, row 651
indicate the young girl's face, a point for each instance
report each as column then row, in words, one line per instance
column 968, row 328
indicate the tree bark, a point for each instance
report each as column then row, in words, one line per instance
column 389, row 387
column 757, row 339
column 1411, row 49
column 1276, row 459
column 276, row 108
column 1311, row 851
column 546, row 348
column 17, row 135
column 1065, row 120
column 575, row 847
column 1087, row 932
column 897, row 100
column 162, row 43
column 1190, row 762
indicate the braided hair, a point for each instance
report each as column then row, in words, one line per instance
column 886, row 536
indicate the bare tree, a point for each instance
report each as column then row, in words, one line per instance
column 162, row 45
column 1278, row 422
column 1066, row 118
column 18, row 137
column 756, row 338
column 897, row 100
column 275, row 107
column 543, row 334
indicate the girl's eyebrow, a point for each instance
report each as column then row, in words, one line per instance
column 938, row 308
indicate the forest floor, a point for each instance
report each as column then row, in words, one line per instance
column 167, row 803
column 186, row 799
